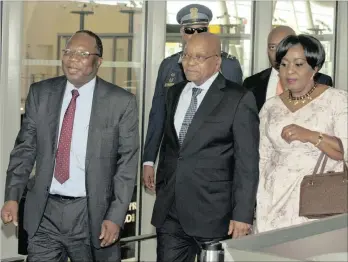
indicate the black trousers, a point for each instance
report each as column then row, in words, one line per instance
column 173, row 244
column 64, row 232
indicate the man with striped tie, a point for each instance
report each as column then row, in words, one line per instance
column 207, row 177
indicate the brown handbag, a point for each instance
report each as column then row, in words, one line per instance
column 324, row 194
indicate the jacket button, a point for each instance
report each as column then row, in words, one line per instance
column 180, row 158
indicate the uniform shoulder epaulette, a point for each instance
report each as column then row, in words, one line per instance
column 173, row 56
column 228, row 56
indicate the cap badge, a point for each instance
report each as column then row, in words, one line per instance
column 194, row 13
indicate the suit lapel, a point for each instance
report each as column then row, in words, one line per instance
column 55, row 100
column 173, row 106
column 211, row 99
column 98, row 119
column 261, row 87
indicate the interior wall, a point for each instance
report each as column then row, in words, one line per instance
column 10, row 82
column 341, row 76
column 10, row 87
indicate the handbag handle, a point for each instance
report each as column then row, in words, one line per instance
column 345, row 168
column 318, row 163
column 323, row 162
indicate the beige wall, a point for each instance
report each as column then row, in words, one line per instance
column 43, row 21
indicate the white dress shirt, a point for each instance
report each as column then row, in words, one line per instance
column 272, row 84
column 184, row 103
column 75, row 185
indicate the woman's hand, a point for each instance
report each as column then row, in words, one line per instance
column 328, row 144
column 294, row 132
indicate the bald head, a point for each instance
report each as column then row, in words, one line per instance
column 210, row 41
column 274, row 38
column 202, row 57
column 281, row 31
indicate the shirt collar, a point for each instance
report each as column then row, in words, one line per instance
column 205, row 86
column 88, row 87
column 180, row 59
column 274, row 73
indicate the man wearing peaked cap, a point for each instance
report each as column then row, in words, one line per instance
column 194, row 14
column 194, row 19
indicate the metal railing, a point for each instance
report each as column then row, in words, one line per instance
column 137, row 238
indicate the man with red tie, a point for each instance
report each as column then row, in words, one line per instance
column 82, row 133
column 266, row 84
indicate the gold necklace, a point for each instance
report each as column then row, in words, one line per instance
column 304, row 99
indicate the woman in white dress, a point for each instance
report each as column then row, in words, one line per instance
column 295, row 128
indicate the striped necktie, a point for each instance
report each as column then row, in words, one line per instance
column 190, row 113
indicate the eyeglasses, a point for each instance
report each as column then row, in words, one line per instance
column 191, row 30
column 78, row 53
column 198, row 59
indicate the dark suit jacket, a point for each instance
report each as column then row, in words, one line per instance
column 258, row 84
column 213, row 176
column 169, row 74
column 111, row 157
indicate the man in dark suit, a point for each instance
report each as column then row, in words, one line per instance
column 265, row 84
column 208, row 174
column 82, row 132
column 194, row 19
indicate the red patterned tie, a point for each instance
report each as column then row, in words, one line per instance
column 63, row 153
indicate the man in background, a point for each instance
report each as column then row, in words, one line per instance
column 82, row 133
column 194, row 19
column 266, row 84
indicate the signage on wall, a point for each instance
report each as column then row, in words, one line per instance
column 128, row 249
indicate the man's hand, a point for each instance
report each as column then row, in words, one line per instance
column 149, row 177
column 9, row 212
column 110, row 233
column 238, row 229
